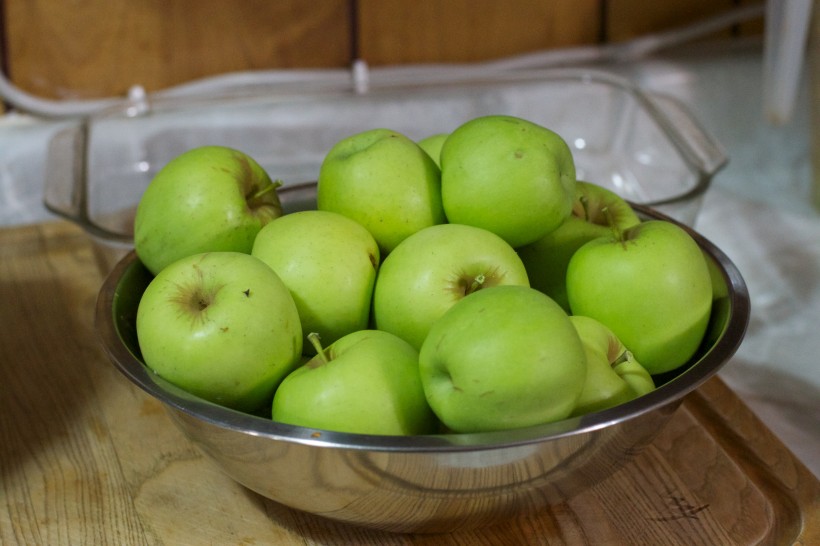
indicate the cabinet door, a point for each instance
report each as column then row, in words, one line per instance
column 411, row 31
column 102, row 47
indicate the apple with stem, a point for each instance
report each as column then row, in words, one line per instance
column 594, row 212
column 222, row 326
column 210, row 198
column 329, row 264
column 367, row 382
column 650, row 285
column 509, row 176
column 433, row 269
column 503, row 358
column 384, row 181
column 613, row 374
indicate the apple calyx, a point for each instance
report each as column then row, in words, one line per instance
column 195, row 298
column 198, row 301
column 315, row 339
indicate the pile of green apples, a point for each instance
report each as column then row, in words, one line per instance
column 467, row 282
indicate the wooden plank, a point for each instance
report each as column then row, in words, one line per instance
column 61, row 479
column 627, row 19
column 87, row 458
column 102, row 47
column 398, row 31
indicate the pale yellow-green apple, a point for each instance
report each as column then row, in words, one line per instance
column 503, row 358
column 384, row 181
column 432, row 145
column 329, row 264
column 210, row 198
column 594, row 211
column 509, row 176
column 367, row 382
column 651, row 286
column 222, row 326
column 433, row 269
column 613, row 374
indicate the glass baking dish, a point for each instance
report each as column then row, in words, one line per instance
column 645, row 146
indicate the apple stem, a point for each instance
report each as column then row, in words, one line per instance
column 625, row 356
column 315, row 340
column 267, row 189
column 617, row 232
column 477, row 283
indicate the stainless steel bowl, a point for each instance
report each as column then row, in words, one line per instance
column 436, row 483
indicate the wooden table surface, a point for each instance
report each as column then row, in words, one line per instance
column 86, row 458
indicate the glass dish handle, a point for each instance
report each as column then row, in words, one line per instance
column 694, row 142
column 65, row 192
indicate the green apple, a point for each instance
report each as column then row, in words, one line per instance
column 435, row 268
column 503, row 358
column 210, row 198
column 329, row 263
column 367, row 382
column 509, row 176
column 613, row 374
column 651, row 286
column 222, row 326
column 384, row 181
column 594, row 211
column 432, row 145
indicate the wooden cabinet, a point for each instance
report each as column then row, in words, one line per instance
column 93, row 48
column 422, row 31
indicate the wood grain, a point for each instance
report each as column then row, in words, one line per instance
column 398, row 31
column 102, row 47
column 627, row 19
column 87, row 458
column 57, row 462
column 96, row 48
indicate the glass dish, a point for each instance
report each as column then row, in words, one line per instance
column 646, row 147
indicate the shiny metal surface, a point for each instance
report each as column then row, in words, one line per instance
column 431, row 483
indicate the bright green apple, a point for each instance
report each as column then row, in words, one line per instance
column 594, row 211
column 210, row 198
column 433, row 269
column 222, row 326
column 432, row 145
column 329, row 263
column 509, row 176
column 651, row 286
column 384, row 181
column 503, row 358
column 613, row 374
column 367, row 382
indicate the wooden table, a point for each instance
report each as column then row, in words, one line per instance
column 86, row 458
